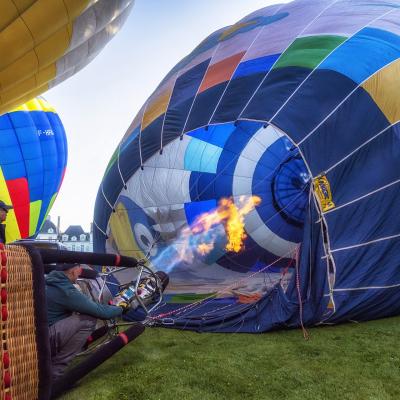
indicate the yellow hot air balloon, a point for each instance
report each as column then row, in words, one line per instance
column 43, row 42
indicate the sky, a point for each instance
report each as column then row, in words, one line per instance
column 98, row 104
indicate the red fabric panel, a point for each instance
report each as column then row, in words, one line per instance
column 19, row 194
column 221, row 71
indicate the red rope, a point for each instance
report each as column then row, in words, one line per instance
column 226, row 289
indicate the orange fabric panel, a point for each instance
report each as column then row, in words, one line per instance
column 75, row 7
column 37, row 20
column 157, row 108
column 15, row 41
column 54, row 47
column 384, row 88
column 19, row 70
column 220, row 72
column 23, row 5
column 8, row 13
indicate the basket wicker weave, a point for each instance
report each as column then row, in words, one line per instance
column 19, row 326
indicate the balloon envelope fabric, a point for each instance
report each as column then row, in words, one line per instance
column 33, row 158
column 296, row 104
column 43, row 43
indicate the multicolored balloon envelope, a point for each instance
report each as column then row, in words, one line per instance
column 33, row 158
column 44, row 42
column 290, row 120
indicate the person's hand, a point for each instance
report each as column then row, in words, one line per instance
column 124, row 305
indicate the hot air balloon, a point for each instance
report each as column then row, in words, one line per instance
column 33, row 158
column 44, row 43
column 292, row 115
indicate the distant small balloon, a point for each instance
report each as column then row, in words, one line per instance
column 33, row 158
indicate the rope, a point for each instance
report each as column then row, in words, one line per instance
column 305, row 333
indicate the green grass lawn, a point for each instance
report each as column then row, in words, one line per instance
column 350, row 361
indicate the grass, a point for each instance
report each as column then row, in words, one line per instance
column 349, row 361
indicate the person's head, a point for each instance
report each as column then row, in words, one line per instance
column 4, row 210
column 73, row 271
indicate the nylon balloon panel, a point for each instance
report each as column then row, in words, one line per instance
column 313, row 96
column 32, row 165
column 187, row 180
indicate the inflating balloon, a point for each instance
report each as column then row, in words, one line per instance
column 33, row 158
column 44, row 42
column 291, row 116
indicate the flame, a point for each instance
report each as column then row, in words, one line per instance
column 226, row 221
column 205, row 248
column 234, row 220
column 231, row 215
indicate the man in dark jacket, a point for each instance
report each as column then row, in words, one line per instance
column 3, row 215
column 72, row 316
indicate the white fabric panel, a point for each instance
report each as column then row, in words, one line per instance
column 276, row 37
column 157, row 187
column 270, row 241
column 173, row 155
column 258, row 144
column 255, row 226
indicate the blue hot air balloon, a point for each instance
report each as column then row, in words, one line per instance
column 33, row 159
column 296, row 106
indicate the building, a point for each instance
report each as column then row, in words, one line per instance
column 48, row 231
column 74, row 238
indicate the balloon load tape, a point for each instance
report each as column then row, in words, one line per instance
column 323, row 191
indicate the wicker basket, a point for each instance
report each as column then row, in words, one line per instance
column 23, row 326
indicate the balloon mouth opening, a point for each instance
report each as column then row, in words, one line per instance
column 290, row 188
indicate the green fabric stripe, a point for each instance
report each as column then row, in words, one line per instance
column 114, row 158
column 308, row 52
column 34, row 213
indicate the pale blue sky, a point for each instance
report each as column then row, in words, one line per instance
column 98, row 104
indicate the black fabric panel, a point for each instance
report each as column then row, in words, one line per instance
column 356, row 121
column 317, row 97
column 181, row 101
column 274, row 91
column 204, row 106
column 236, row 97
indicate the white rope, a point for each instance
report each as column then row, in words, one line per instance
column 237, row 66
column 360, row 147
column 350, row 94
column 101, row 230
column 355, row 246
column 366, row 288
column 165, row 113
column 119, row 169
column 105, row 198
column 197, row 92
column 323, row 60
column 364, row 196
column 273, row 65
column 140, row 134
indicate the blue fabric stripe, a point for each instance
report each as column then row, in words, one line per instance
column 251, row 67
column 364, row 54
column 217, row 135
column 201, row 156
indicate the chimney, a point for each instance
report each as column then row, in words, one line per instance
column 58, row 228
